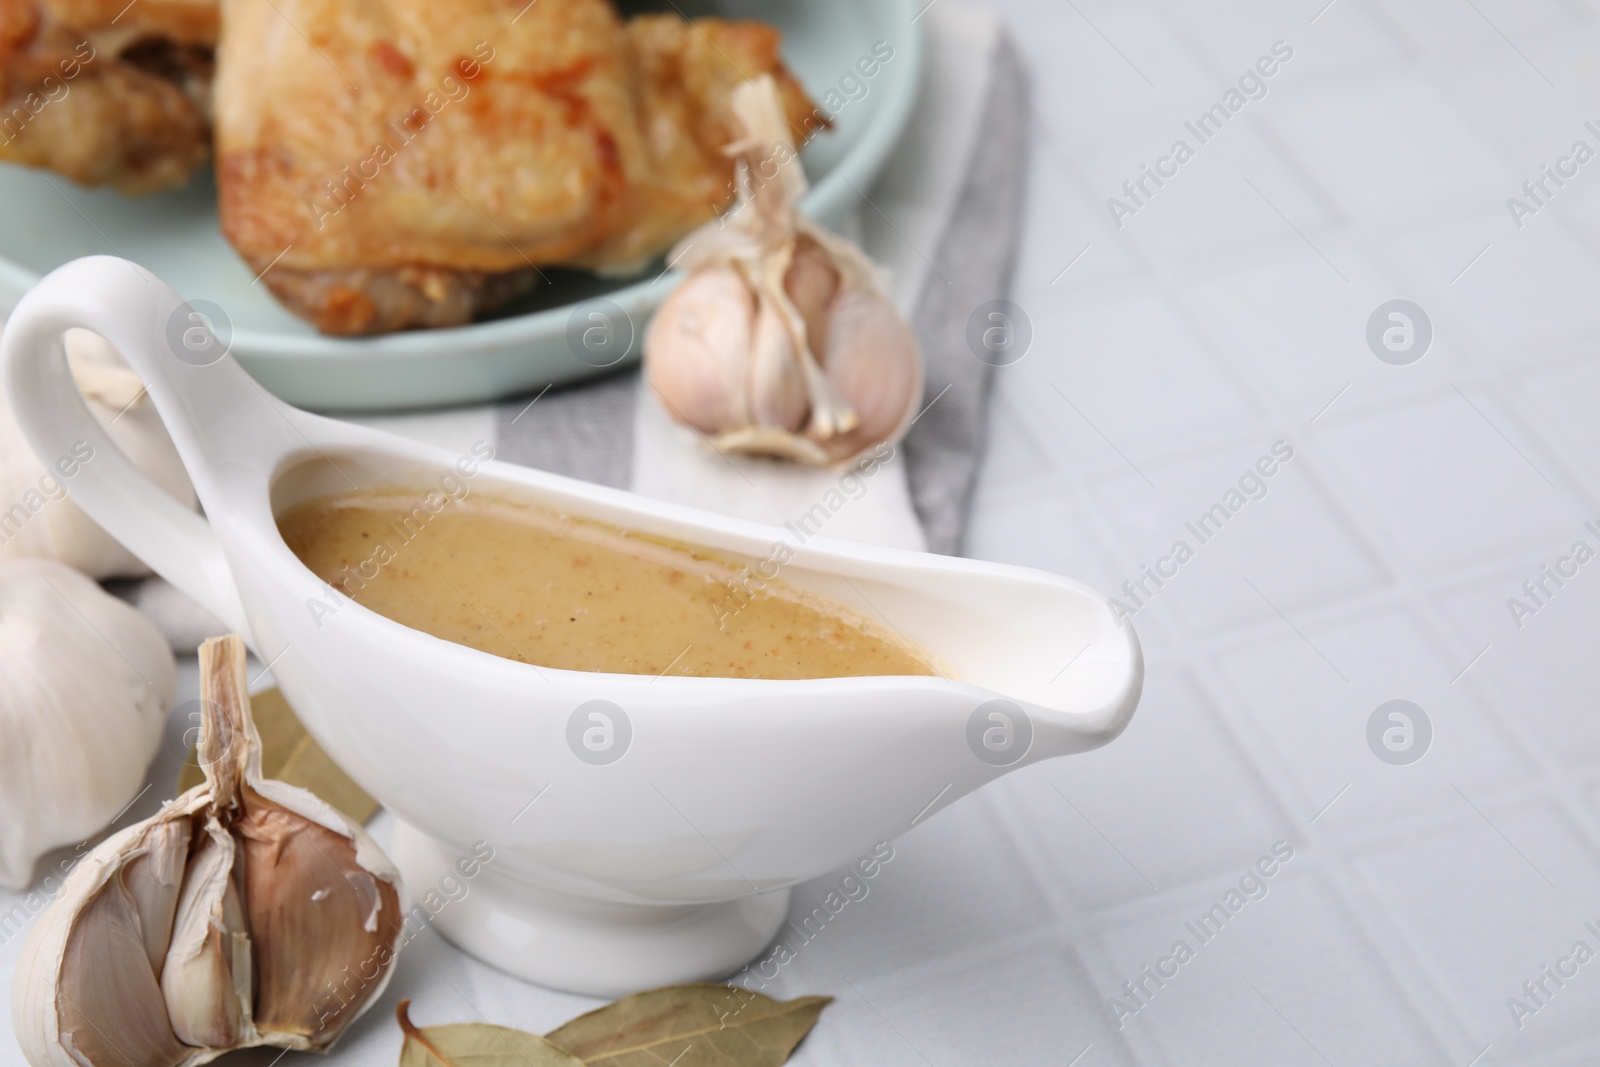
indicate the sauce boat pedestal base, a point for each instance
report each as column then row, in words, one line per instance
column 582, row 945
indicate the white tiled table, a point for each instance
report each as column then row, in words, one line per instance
column 1226, row 314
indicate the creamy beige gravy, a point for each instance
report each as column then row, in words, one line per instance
column 531, row 585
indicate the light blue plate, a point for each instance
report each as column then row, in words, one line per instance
column 45, row 221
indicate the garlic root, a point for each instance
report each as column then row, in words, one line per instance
column 221, row 922
column 781, row 341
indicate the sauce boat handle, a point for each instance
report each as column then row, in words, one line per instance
column 209, row 405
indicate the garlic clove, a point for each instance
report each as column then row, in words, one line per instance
column 873, row 362
column 154, row 881
column 829, row 413
column 345, row 909
column 697, row 350
column 105, row 976
column 198, row 980
column 812, row 282
column 778, row 395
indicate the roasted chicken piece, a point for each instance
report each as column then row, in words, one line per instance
column 108, row 92
column 390, row 164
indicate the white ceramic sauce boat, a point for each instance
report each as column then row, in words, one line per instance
column 670, row 863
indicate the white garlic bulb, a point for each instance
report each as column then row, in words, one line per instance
column 245, row 913
column 85, row 684
column 37, row 518
column 781, row 341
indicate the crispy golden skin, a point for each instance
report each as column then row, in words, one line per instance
column 105, row 92
column 686, row 74
column 419, row 161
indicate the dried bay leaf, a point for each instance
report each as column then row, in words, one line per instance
column 289, row 754
column 699, row 1025
column 476, row 1045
